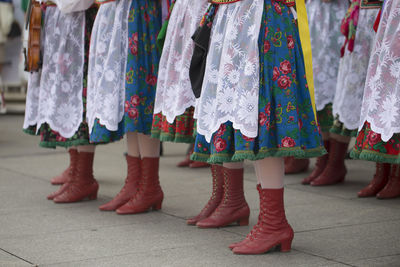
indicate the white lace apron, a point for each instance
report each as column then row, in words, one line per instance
column 231, row 83
column 326, row 40
column 61, row 84
column 107, row 64
column 32, row 100
column 174, row 94
column 353, row 70
column 381, row 104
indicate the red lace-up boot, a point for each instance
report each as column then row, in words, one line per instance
column 65, row 175
column 392, row 188
column 216, row 196
column 335, row 170
column 379, row 181
column 272, row 229
column 149, row 194
column 232, row 246
column 233, row 207
column 319, row 166
column 74, row 157
column 293, row 165
column 58, row 191
column 82, row 185
column 130, row 187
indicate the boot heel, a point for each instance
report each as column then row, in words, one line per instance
column 243, row 221
column 157, row 206
column 286, row 246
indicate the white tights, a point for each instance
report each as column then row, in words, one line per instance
column 270, row 172
column 142, row 145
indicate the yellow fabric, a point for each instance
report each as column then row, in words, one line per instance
column 304, row 32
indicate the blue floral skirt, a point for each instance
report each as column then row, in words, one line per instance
column 141, row 73
column 287, row 125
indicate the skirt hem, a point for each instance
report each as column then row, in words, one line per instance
column 164, row 137
column 250, row 155
column 374, row 156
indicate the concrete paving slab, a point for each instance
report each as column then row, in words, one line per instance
column 352, row 243
column 337, row 213
column 386, row 261
column 8, row 260
column 205, row 255
column 139, row 237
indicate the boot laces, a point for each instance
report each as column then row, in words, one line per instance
column 213, row 194
column 225, row 195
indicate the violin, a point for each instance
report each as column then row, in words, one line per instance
column 33, row 59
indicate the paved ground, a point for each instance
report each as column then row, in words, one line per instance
column 333, row 227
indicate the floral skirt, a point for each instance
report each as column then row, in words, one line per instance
column 52, row 139
column 287, row 125
column 181, row 131
column 141, row 70
column 369, row 146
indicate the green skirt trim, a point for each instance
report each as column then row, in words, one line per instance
column 65, row 144
column 264, row 153
column 30, row 131
column 339, row 128
column 374, row 156
column 175, row 138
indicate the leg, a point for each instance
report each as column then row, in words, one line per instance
column 233, row 206
column 271, row 171
column 392, row 188
column 70, row 170
column 217, row 174
column 132, row 142
column 131, row 185
column 148, row 147
column 321, row 163
column 381, row 177
column 272, row 228
column 149, row 194
column 335, row 170
column 82, row 185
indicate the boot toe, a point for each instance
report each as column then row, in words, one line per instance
column 114, row 204
column 184, row 163
column 237, row 244
column 191, row 221
column 308, row 180
column 245, row 250
column 110, row 206
column 366, row 193
column 125, row 209
column 207, row 223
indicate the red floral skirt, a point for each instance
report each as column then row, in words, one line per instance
column 369, row 146
column 181, row 131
